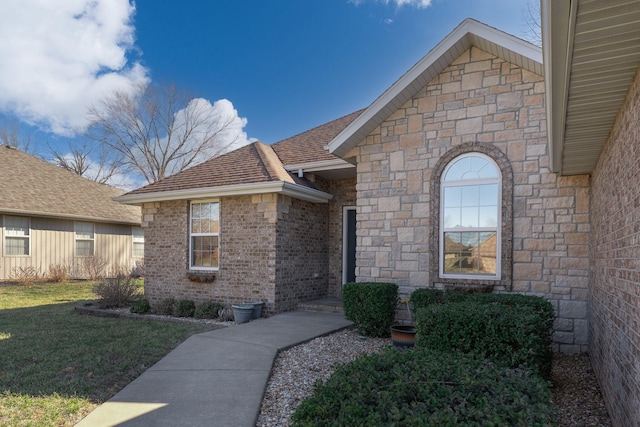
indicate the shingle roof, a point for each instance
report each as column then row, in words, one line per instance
column 256, row 163
column 308, row 147
column 32, row 186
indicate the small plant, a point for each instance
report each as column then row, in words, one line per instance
column 58, row 273
column 165, row 307
column 115, row 292
column 138, row 270
column 141, row 306
column 225, row 314
column 207, row 310
column 94, row 267
column 184, row 308
column 26, row 275
column 371, row 306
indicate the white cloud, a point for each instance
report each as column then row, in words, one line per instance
column 59, row 57
column 420, row 4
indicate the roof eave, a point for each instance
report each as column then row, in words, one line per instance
column 324, row 165
column 69, row 217
column 281, row 187
column 460, row 39
column 558, row 24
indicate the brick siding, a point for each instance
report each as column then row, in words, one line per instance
column 615, row 265
column 272, row 249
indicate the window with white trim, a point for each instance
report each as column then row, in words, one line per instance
column 85, row 237
column 137, row 236
column 17, row 236
column 470, row 218
column 204, row 235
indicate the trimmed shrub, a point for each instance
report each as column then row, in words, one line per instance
column 513, row 331
column 114, row 292
column 427, row 388
column 141, row 306
column 207, row 310
column 424, row 297
column 165, row 307
column 371, row 306
column 184, row 308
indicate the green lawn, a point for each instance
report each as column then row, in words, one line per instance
column 56, row 365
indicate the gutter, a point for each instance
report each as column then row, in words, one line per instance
column 279, row 187
column 558, row 19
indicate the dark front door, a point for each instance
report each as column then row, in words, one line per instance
column 349, row 265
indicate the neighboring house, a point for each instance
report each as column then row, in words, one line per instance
column 449, row 178
column 52, row 218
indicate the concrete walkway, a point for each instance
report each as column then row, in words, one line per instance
column 216, row 378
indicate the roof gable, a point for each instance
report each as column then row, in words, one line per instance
column 468, row 33
column 34, row 187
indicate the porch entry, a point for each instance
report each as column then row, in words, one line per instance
column 348, row 244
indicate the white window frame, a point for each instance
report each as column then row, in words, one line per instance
column 137, row 238
column 497, row 229
column 81, row 238
column 8, row 236
column 192, row 234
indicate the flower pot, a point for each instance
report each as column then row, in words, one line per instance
column 257, row 308
column 242, row 313
column 403, row 336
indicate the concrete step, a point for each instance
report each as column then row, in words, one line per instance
column 325, row 304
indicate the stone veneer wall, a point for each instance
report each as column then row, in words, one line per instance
column 615, row 268
column 478, row 98
column 302, row 246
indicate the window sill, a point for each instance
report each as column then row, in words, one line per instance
column 201, row 276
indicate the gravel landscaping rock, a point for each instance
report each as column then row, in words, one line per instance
column 576, row 395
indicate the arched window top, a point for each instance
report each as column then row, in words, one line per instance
column 473, row 166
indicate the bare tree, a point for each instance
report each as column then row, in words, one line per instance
column 10, row 135
column 533, row 30
column 79, row 160
column 160, row 131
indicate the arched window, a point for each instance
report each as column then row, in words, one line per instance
column 470, row 218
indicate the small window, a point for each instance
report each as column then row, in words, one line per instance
column 137, row 235
column 204, row 229
column 17, row 236
column 84, row 238
column 470, row 196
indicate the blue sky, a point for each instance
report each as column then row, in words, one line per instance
column 285, row 65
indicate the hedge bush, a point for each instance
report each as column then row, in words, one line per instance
column 140, row 306
column 427, row 388
column 165, row 307
column 371, row 306
column 207, row 310
column 184, row 308
column 511, row 330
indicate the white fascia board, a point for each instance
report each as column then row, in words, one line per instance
column 402, row 88
column 286, row 188
column 325, row 165
column 558, row 25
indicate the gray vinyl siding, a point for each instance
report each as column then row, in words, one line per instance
column 52, row 242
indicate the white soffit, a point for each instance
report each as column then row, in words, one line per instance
column 600, row 45
column 469, row 33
